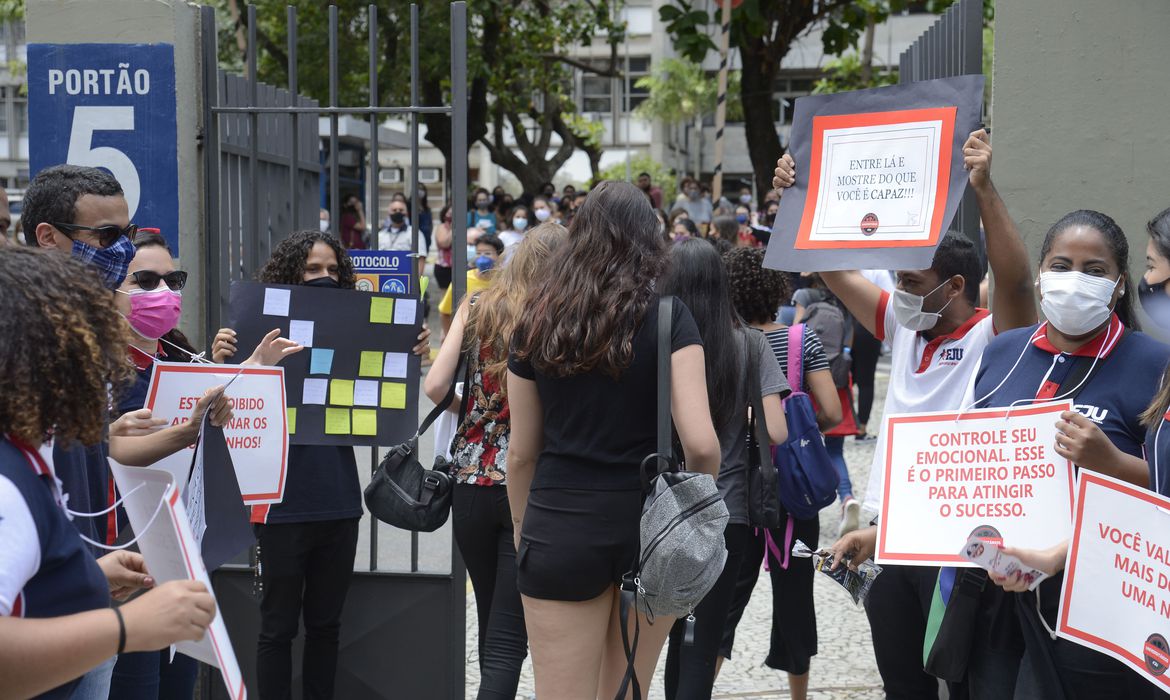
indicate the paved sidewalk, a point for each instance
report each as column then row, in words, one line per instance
column 844, row 668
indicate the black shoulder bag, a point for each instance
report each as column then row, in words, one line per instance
column 404, row 493
column 764, row 509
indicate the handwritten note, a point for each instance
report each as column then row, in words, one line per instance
column 321, row 362
column 314, row 391
column 395, row 365
column 276, row 302
column 365, row 392
column 337, row 421
column 381, row 310
column 393, row 395
column 365, row 421
column 405, row 310
column 341, row 392
column 301, row 332
column 371, row 364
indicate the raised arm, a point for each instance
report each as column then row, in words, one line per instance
column 442, row 372
column 1014, row 302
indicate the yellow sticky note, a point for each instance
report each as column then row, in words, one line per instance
column 371, row 364
column 341, row 392
column 381, row 310
column 337, row 421
column 292, row 420
column 365, row 421
column 393, row 395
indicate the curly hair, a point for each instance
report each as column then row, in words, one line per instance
column 585, row 316
column 62, row 348
column 756, row 292
column 287, row 264
column 492, row 318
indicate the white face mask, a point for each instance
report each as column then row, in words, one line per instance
column 324, row 225
column 543, row 214
column 908, row 310
column 1076, row 303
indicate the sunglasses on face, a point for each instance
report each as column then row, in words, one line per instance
column 148, row 279
column 107, row 235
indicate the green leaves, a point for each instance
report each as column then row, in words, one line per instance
column 688, row 28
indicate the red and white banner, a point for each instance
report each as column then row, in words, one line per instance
column 992, row 473
column 1116, row 596
column 257, row 435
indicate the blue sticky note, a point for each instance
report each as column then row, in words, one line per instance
column 322, row 361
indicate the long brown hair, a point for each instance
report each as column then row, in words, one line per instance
column 584, row 315
column 62, row 348
column 491, row 320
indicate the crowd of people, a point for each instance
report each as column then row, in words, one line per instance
column 555, row 353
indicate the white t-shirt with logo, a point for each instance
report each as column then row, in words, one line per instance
column 924, row 375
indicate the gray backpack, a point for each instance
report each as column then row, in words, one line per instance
column 681, row 530
column 828, row 321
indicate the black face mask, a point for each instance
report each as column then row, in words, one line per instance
column 327, row 282
column 1155, row 302
column 397, row 218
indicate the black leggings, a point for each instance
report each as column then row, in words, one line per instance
column 794, row 617
column 690, row 669
column 304, row 567
column 897, row 607
column 865, row 352
column 483, row 531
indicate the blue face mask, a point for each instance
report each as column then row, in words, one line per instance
column 111, row 263
column 483, row 263
column 741, row 218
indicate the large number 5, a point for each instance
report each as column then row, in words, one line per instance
column 87, row 120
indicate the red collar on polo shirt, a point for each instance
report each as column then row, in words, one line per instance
column 142, row 361
column 1090, row 349
column 934, row 343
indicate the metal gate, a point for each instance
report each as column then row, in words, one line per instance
column 402, row 632
column 952, row 47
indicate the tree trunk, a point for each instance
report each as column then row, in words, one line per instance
column 867, row 52
column 758, row 77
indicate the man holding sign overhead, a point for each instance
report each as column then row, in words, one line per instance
column 937, row 334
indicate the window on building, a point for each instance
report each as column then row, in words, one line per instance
column 596, row 93
column 21, row 109
column 786, row 92
column 4, row 93
column 639, row 68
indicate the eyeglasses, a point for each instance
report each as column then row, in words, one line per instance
column 149, row 279
column 107, row 235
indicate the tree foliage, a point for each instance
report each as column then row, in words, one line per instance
column 520, row 73
column 660, row 175
column 763, row 31
column 680, row 91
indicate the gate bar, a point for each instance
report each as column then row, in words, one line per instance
column 294, row 118
column 252, row 251
column 334, row 172
column 374, row 212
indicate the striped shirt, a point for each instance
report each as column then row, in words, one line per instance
column 814, row 352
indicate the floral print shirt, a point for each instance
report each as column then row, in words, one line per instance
column 480, row 449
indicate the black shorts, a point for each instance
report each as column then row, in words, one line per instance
column 576, row 544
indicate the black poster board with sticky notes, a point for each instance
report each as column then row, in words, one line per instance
column 356, row 382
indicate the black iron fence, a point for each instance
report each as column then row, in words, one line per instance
column 952, row 47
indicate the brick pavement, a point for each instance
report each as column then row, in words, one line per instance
column 844, row 668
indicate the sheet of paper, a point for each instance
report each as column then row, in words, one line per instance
column 405, row 311
column 381, row 310
column 276, row 302
column 322, row 361
column 393, row 395
column 301, row 332
column 365, row 392
column 341, row 392
column 365, row 421
column 196, row 504
column 991, row 557
column 371, row 364
column 395, row 365
column 314, row 392
column 292, row 419
column 337, row 421
column 157, row 514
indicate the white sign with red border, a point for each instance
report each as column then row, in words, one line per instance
column 167, row 544
column 257, row 435
column 1116, row 596
column 992, row 473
